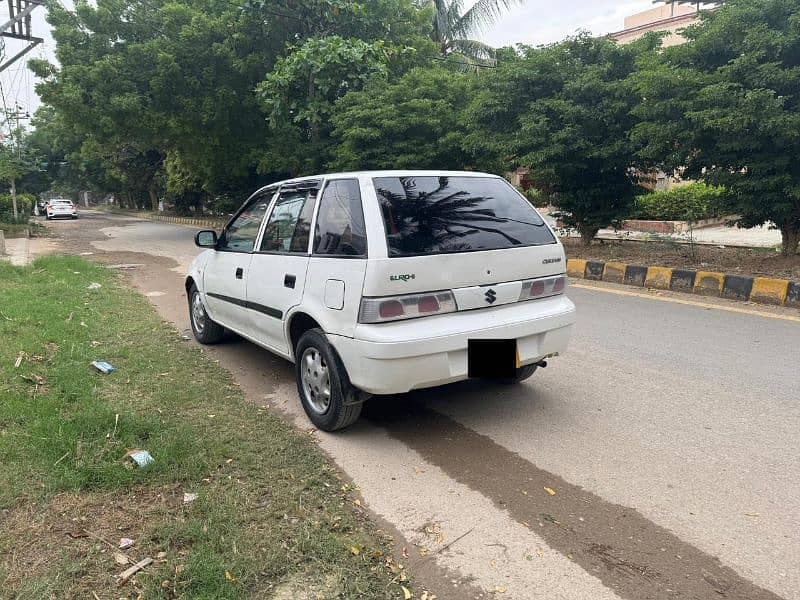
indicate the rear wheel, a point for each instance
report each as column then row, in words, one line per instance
column 522, row 374
column 329, row 399
column 205, row 330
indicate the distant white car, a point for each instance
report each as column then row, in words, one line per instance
column 384, row 282
column 59, row 208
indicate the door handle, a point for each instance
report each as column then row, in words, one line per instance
column 289, row 281
column 239, row 272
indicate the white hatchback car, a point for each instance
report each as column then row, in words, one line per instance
column 386, row 281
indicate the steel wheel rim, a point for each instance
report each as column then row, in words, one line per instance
column 198, row 313
column 316, row 380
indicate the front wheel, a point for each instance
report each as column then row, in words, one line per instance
column 204, row 329
column 329, row 399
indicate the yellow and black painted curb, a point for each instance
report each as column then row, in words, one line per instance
column 780, row 292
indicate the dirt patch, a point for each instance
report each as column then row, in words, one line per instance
column 82, row 531
column 759, row 262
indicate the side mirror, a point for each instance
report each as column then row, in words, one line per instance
column 206, row 239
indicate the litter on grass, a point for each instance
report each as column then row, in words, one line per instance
column 102, row 366
column 189, row 497
column 94, row 286
column 140, row 457
column 125, row 543
column 131, row 571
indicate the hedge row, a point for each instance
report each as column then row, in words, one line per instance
column 24, row 207
column 693, row 202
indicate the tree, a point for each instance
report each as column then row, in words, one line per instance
column 564, row 113
column 16, row 162
column 454, row 29
column 303, row 86
column 724, row 108
column 140, row 80
column 416, row 122
column 337, row 47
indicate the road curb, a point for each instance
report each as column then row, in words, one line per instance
column 763, row 290
column 189, row 221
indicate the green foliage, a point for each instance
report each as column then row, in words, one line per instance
column 24, row 207
column 143, row 86
column 536, row 197
column 413, row 123
column 725, row 109
column 692, row 202
column 454, row 28
column 564, row 112
column 303, row 86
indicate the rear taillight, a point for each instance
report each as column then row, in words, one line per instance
column 395, row 308
column 542, row 288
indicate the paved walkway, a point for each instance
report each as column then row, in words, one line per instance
column 757, row 237
column 22, row 251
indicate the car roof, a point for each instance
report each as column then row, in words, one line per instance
column 60, row 200
column 379, row 173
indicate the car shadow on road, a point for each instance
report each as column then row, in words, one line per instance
column 487, row 401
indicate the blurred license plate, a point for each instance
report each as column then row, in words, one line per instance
column 492, row 359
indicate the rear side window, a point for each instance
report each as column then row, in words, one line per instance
column 443, row 215
column 340, row 227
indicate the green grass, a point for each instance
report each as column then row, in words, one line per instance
column 271, row 510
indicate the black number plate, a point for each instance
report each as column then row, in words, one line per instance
column 492, row 359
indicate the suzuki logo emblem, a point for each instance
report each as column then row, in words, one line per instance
column 491, row 296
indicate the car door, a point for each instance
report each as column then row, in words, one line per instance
column 278, row 268
column 226, row 272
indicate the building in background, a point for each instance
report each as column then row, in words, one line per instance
column 671, row 17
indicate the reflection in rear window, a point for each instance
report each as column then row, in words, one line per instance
column 438, row 215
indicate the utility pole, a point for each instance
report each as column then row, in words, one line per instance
column 18, row 27
column 17, row 114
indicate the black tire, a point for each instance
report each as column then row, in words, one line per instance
column 343, row 400
column 204, row 329
column 522, row 374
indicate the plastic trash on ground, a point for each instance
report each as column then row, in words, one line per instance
column 140, row 457
column 102, row 366
column 125, row 543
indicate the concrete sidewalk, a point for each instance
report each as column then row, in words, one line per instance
column 720, row 235
column 757, row 237
column 21, row 252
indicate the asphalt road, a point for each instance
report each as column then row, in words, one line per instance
column 670, row 434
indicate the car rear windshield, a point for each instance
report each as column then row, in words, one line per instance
column 442, row 215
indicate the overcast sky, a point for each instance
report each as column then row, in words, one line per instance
column 534, row 22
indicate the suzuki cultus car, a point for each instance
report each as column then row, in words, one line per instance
column 385, row 282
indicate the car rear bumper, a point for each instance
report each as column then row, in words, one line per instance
column 397, row 357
